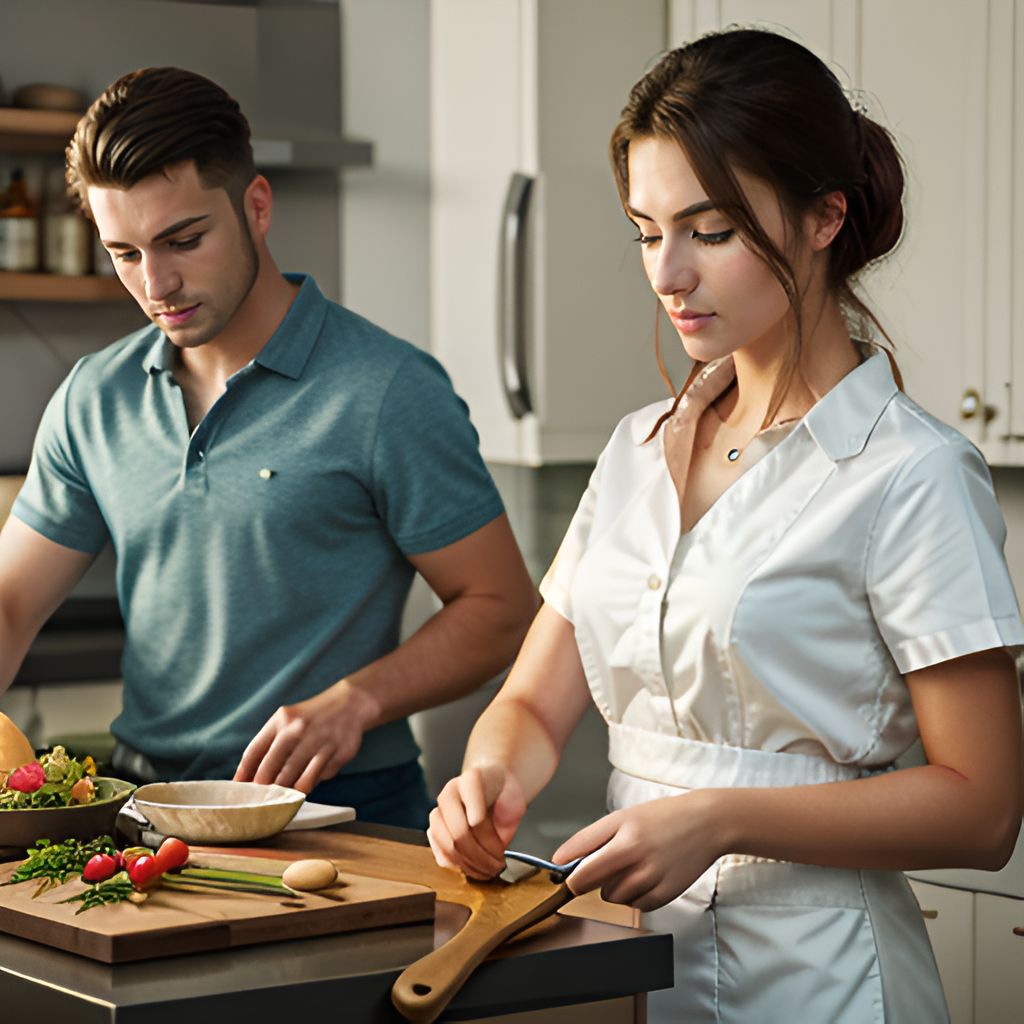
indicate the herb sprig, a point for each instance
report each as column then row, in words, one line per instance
column 115, row 889
column 55, row 863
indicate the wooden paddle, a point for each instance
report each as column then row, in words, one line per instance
column 500, row 910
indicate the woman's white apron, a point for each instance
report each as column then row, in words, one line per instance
column 758, row 941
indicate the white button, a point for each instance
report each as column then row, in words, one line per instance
column 201, row 453
column 266, row 474
column 653, row 581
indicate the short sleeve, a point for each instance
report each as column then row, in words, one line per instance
column 937, row 579
column 56, row 499
column 429, row 481
column 556, row 586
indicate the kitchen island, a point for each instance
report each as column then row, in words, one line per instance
column 345, row 977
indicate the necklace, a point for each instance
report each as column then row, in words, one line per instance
column 733, row 453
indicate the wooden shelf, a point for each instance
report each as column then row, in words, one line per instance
column 35, row 131
column 56, row 288
column 48, row 131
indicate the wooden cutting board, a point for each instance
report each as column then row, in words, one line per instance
column 173, row 921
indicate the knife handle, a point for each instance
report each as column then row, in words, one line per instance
column 425, row 988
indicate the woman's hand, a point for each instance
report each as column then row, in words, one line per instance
column 477, row 815
column 645, row 856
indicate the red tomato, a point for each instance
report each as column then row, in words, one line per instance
column 144, row 871
column 173, row 854
column 99, row 868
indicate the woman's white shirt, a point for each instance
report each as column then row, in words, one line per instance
column 863, row 543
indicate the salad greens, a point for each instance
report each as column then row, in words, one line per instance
column 55, row 780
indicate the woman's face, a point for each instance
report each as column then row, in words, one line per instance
column 719, row 294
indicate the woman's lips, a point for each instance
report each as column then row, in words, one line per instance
column 178, row 316
column 689, row 322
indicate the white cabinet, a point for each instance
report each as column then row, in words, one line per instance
column 978, row 939
column 998, row 960
column 948, row 81
column 949, row 918
column 524, row 211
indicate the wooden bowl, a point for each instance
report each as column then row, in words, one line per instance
column 211, row 811
column 22, row 827
column 45, row 96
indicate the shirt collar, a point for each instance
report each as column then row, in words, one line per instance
column 287, row 350
column 841, row 421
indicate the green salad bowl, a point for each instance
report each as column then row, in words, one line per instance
column 19, row 829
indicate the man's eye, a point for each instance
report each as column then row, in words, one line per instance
column 714, row 238
column 125, row 256
column 185, row 243
column 647, row 239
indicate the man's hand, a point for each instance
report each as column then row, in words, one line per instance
column 306, row 742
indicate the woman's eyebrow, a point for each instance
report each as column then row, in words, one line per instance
column 690, row 211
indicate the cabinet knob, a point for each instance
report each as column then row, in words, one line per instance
column 929, row 915
column 970, row 404
column 1019, row 931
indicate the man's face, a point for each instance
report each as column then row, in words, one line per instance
column 180, row 249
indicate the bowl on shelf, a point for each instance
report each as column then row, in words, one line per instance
column 214, row 811
column 48, row 96
column 20, row 828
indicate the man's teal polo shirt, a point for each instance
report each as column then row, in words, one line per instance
column 263, row 558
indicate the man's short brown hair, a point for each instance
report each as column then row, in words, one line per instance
column 152, row 119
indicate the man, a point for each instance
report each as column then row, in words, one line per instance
column 271, row 470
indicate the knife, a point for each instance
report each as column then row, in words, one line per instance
column 528, row 890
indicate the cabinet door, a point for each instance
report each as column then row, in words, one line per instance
column 949, row 918
column 999, row 960
column 925, row 78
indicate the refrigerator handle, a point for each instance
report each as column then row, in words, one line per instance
column 511, row 296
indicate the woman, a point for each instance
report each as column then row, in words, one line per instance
column 771, row 593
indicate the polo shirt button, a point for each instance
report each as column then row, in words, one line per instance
column 654, row 581
column 201, row 454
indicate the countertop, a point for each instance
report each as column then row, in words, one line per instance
column 566, row 960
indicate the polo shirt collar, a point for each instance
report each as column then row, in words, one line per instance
column 841, row 421
column 287, row 350
column 290, row 346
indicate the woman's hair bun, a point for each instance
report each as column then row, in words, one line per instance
column 874, row 216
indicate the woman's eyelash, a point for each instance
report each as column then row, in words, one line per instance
column 714, row 238
column 709, row 238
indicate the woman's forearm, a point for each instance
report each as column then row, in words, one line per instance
column 526, row 726
column 510, row 734
column 922, row 817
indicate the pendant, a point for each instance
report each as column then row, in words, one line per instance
column 733, row 454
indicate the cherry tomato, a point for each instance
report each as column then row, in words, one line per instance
column 144, row 871
column 99, row 868
column 173, row 854
column 119, row 860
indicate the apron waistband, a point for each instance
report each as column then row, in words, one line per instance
column 692, row 764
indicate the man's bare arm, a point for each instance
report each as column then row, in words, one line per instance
column 489, row 601
column 35, row 576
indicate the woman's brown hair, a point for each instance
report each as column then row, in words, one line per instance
column 154, row 118
column 753, row 100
